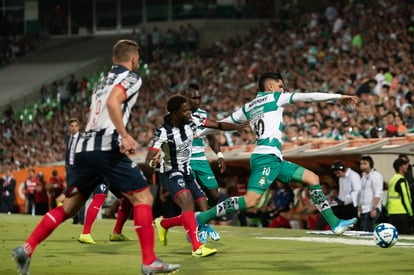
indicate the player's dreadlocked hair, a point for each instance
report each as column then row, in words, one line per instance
column 266, row 76
column 175, row 102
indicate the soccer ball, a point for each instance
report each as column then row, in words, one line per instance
column 385, row 235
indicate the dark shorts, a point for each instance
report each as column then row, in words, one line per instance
column 176, row 182
column 101, row 189
column 92, row 168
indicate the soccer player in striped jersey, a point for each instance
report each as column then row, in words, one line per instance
column 101, row 152
column 171, row 146
column 265, row 114
column 199, row 164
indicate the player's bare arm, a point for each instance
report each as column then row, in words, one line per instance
column 215, row 146
column 114, row 103
column 225, row 126
column 153, row 157
column 322, row 97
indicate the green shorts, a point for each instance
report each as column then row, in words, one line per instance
column 265, row 169
column 203, row 174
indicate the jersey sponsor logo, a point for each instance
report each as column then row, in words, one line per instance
column 257, row 114
column 184, row 145
column 133, row 165
column 209, row 177
column 258, row 101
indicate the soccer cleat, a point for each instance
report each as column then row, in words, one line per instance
column 211, row 233
column 344, row 225
column 202, row 236
column 159, row 266
column 204, row 251
column 162, row 232
column 86, row 238
column 199, row 223
column 118, row 237
column 22, row 260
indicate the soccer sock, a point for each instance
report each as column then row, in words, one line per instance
column 170, row 222
column 190, row 226
column 123, row 213
column 49, row 222
column 320, row 201
column 145, row 231
column 92, row 212
column 227, row 206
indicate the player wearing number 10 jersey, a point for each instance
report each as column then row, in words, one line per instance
column 265, row 114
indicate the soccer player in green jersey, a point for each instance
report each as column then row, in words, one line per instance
column 265, row 114
column 199, row 164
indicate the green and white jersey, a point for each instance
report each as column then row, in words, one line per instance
column 265, row 113
column 199, row 144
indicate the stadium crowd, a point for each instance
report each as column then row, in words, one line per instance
column 17, row 46
column 346, row 48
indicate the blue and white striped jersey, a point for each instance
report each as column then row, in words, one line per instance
column 100, row 133
column 175, row 144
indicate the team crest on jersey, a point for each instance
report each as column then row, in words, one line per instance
column 103, row 188
column 181, row 182
column 126, row 84
column 262, row 181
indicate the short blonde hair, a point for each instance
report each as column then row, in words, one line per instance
column 124, row 49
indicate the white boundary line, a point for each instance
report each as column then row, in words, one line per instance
column 334, row 240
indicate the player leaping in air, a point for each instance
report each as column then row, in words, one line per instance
column 265, row 113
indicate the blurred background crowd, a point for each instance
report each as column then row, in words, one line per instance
column 362, row 48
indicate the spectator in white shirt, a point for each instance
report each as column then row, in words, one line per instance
column 369, row 205
column 349, row 189
column 347, row 199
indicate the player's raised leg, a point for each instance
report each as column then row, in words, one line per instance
column 318, row 198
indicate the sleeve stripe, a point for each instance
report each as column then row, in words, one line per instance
column 123, row 89
column 236, row 122
column 152, row 148
column 291, row 98
column 205, row 122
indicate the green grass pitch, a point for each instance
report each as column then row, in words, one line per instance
column 242, row 251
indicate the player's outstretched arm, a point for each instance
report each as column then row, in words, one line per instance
column 225, row 126
column 321, row 97
column 211, row 131
column 348, row 100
